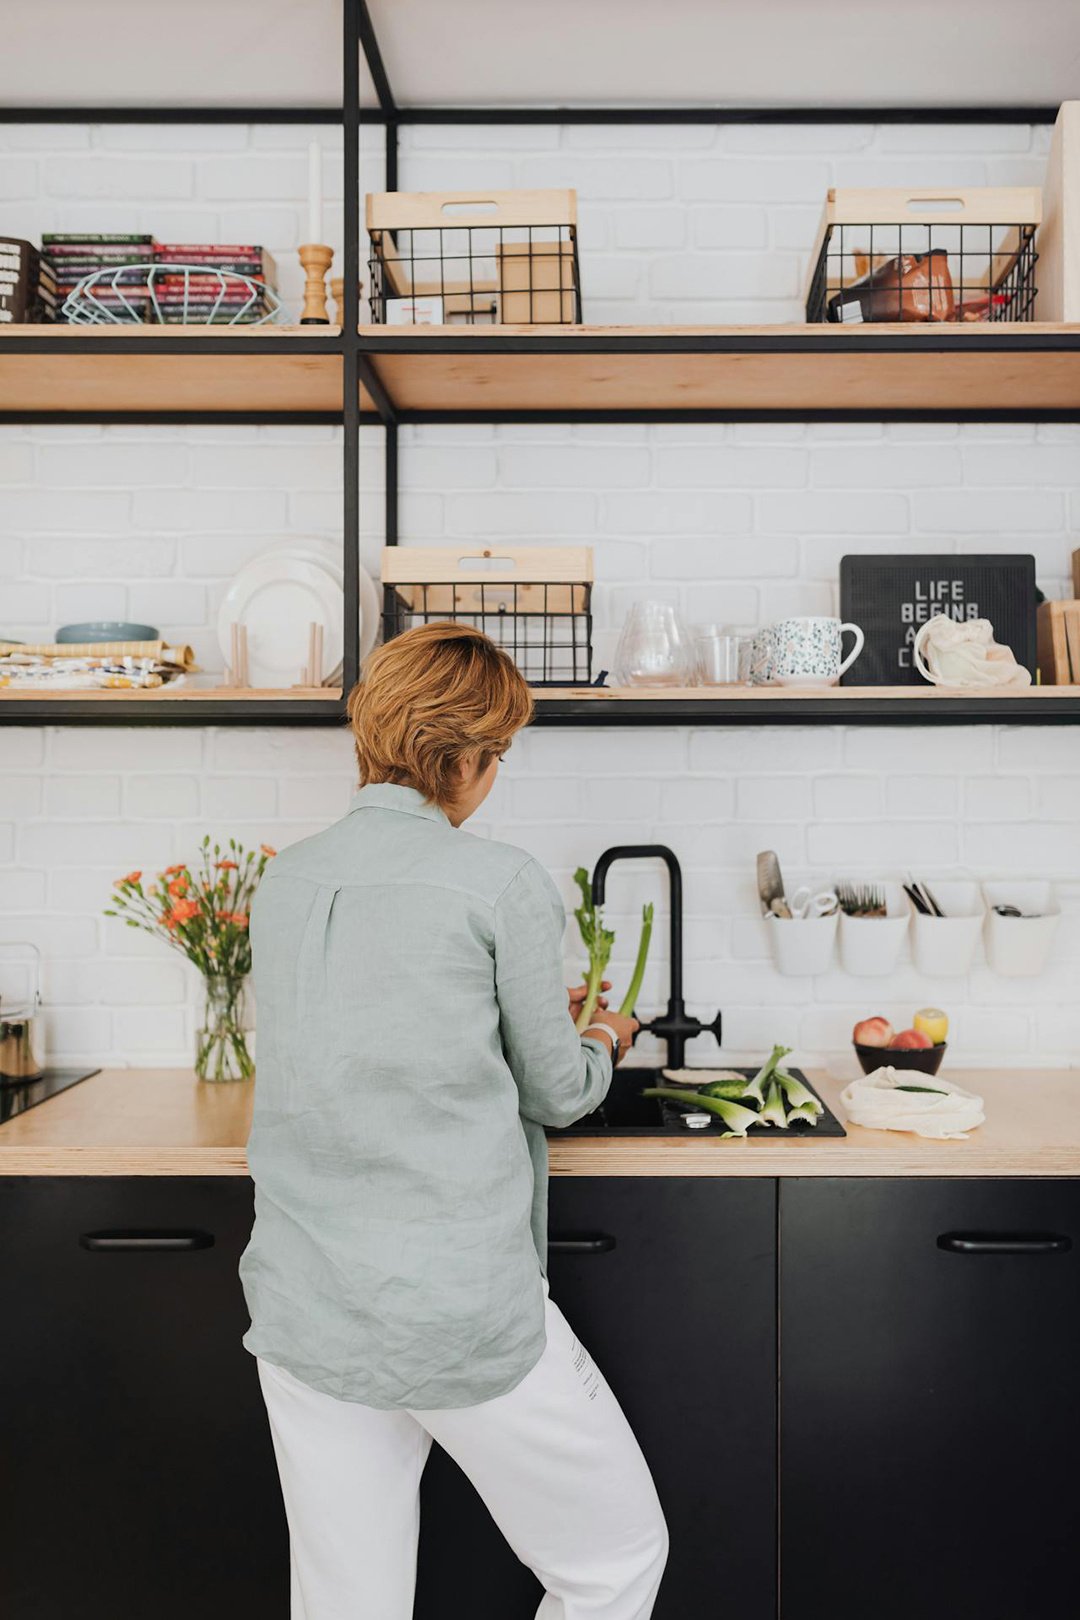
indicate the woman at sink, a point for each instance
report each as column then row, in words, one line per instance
column 414, row 1041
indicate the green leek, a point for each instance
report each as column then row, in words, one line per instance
column 801, row 1102
column 598, row 941
column 755, row 1089
column 737, row 1118
column 627, row 1008
column 773, row 1112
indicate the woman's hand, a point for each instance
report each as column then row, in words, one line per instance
column 624, row 1028
column 577, row 994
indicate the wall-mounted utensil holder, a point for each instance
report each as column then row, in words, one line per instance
column 870, row 946
column 802, row 947
column 945, row 946
column 1020, row 946
column 534, row 601
column 966, row 253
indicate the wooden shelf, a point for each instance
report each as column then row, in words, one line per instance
column 186, row 705
column 572, row 706
column 573, row 373
column 765, row 705
column 146, row 372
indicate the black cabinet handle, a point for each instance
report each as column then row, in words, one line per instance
column 1004, row 1243
column 127, row 1240
column 595, row 1243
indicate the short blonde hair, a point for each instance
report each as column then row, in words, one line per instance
column 427, row 700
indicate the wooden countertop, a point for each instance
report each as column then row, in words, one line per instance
column 162, row 1122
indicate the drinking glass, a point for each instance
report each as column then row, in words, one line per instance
column 654, row 648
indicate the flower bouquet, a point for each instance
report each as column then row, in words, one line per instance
column 203, row 911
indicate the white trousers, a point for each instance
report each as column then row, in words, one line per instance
column 554, row 1460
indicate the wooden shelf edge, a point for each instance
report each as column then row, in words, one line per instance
column 783, row 694
column 186, row 694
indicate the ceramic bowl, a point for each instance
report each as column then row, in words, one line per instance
column 921, row 1059
column 105, row 630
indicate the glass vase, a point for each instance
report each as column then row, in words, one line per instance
column 221, row 1049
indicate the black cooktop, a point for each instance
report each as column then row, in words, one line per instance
column 16, row 1096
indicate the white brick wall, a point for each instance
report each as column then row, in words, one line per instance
column 733, row 523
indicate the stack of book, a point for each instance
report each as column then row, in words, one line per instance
column 202, row 295
column 74, row 255
column 28, row 290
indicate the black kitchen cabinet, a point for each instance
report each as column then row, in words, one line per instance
column 930, row 1408
column 670, row 1283
column 139, row 1476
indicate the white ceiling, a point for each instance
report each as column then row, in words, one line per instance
column 775, row 52
column 795, row 53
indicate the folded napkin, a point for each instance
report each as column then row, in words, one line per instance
column 878, row 1102
column 161, row 652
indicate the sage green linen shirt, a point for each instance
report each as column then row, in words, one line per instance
column 413, row 1041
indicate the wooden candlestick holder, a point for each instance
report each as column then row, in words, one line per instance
column 316, row 259
column 337, row 293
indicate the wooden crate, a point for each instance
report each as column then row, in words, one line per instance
column 1059, row 239
column 417, row 250
column 1013, row 209
column 1059, row 643
column 533, row 601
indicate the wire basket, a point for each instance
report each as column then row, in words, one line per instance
column 962, row 256
column 453, row 258
column 170, row 295
column 534, row 602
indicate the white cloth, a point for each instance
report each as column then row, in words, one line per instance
column 877, row 1101
column 949, row 653
column 554, row 1460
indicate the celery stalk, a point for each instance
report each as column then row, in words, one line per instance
column 737, row 1118
column 627, row 1008
column 598, row 941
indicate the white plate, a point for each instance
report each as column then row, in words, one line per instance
column 328, row 553
column 277, row 596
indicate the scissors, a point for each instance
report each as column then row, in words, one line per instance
column 803, row 904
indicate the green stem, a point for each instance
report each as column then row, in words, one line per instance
column 592, row 996
column 634, row 991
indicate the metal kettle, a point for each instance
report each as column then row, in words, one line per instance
column 22, row 1031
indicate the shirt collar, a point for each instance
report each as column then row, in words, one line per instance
column 395, row 796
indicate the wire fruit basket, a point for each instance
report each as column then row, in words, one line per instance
column 472, row 259
column 170, row 294
column 891, row 255
column 533, row 601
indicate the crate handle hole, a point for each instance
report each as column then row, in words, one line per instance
column 455, row 209
column 936, row 205
column 486, row 563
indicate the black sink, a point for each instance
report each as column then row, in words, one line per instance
column 625, row 1112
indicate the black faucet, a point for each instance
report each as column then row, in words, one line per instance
column 675, row 1026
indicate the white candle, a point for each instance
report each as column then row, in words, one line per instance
column 314, row 192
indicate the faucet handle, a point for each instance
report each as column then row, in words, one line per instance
column 715, row 1027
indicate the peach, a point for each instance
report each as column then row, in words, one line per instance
column 873, row 1032
column 909, row 1038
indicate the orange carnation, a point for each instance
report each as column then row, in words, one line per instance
column 132, row 877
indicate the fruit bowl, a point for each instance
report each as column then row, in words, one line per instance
column 922, row 1059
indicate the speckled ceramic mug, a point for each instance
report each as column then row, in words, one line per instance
column 809, row 651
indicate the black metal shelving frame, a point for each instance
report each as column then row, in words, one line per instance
column 359, row 352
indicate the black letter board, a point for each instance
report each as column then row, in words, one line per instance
column 891, row 598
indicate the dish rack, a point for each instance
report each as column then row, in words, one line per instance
column 445, row 258
column 962, row 255
column 533, row 601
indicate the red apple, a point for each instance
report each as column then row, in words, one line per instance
column 873, row 1032
column 909, row 1038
